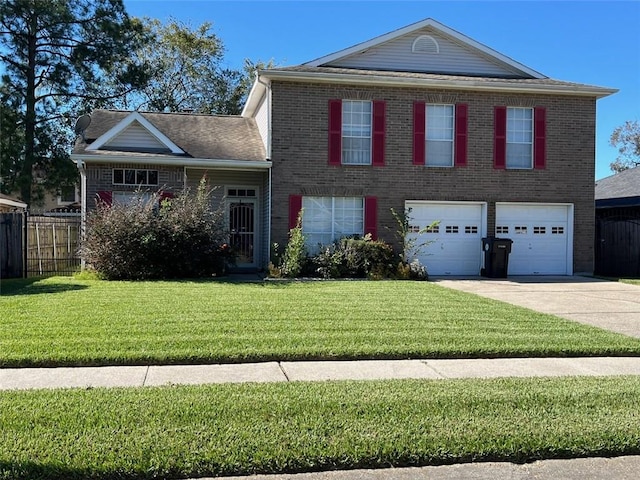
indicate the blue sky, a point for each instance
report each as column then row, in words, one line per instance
column 592, row 42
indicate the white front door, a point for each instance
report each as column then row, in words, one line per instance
column 542, row 237
column 454, row 246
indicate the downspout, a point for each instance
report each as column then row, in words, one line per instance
column 268, row 148
column 83, row 205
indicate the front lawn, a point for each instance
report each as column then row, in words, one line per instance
column 178, row 432
column 68, row 321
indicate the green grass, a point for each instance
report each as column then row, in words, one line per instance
column 173, row 432
column 67, row 321
column 630, row 281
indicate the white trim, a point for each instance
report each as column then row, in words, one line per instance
column 124, row 123
column 570, row 219
column 440, row 28
column 12, row 203
column 497, row 85
column 429, row 37
column 173, row 162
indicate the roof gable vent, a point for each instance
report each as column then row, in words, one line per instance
column 425, row 44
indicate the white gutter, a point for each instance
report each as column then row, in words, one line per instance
column 13, row 203
column 83, row 204
column 501, row 85
column 172, row 161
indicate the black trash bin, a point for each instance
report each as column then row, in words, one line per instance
column 496, row 256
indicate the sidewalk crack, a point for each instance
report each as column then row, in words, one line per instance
column 146, row 373
column 283, row 372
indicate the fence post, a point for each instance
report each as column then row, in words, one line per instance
column 55, row 247
column 25, row 243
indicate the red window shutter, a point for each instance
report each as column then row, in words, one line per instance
column 419, row 133
column 371, row 216
column 335, row 132
column 378, row 133
column 500, row 137
column 104, row 198
column 539, row 135
column 295, row 205
column 460, row 149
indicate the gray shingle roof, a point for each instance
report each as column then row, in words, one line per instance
column 200, row 136
column 620, row 185
column 427, row 76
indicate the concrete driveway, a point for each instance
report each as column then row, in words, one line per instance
column 611, row 305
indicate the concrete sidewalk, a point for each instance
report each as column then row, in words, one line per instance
column 141, row 376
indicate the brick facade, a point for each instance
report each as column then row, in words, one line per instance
column 300, row 156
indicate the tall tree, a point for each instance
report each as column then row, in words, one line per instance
column 53, row 53
column 187, row 72
column 626, row 138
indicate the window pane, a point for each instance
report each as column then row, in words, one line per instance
column 118, row 176
column 141, row 177
column 356, row 132
column 519, row 137
column 326, row 219
column 130, row 177
column 440, row 154
column 153, row 177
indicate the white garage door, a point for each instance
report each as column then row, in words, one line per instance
column 541, row 235
column 455, row 246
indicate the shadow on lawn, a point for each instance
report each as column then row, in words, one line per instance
column 28, row 286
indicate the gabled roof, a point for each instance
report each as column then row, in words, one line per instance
column 623, row 187
column 112, row 133
column 186, row 136
column 433, row 25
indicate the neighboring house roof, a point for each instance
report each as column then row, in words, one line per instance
column 619, row 190
column 424, row 54
column 171, row 138
column 11, row 203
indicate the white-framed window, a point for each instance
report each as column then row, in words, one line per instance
column 133, row 176
column 439, row 135
column 327, row 219
column 356, row 132
column 128, row 198
column 519, row 137
column 68, row 195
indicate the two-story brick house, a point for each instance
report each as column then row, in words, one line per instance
column 422, row 118
column 428, row 119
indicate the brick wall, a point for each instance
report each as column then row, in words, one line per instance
column 299, row 155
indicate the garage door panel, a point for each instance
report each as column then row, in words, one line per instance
column 540, row 238
column 454, row 246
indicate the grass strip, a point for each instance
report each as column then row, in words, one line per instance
column 177, row 432
column 66, row 321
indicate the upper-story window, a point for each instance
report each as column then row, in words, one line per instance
column 356, row 132
column 519, row 138
column 131, row 176
column 439, row 135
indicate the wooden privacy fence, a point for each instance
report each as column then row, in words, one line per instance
column 52, row 244
column 39, row 244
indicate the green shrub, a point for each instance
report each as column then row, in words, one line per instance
column 355, row 258
column 182, row 238
column 294, row 260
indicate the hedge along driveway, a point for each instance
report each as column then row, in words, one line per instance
column 68, row 321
